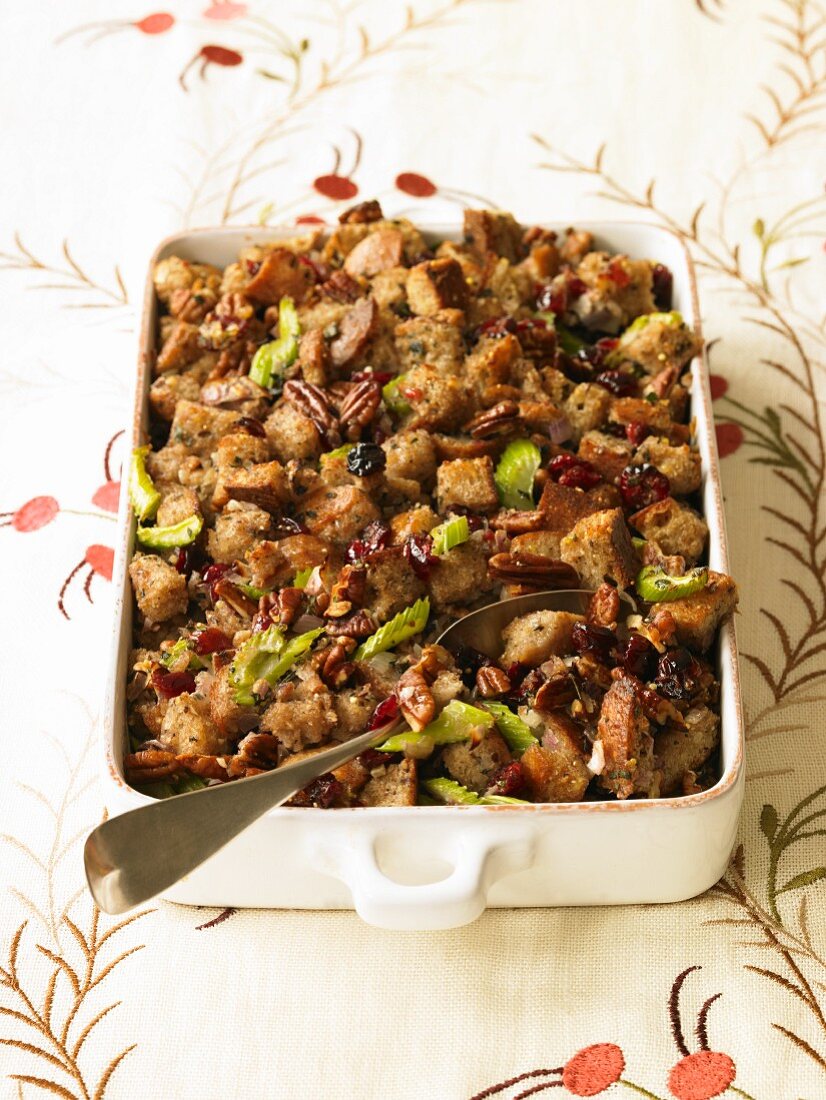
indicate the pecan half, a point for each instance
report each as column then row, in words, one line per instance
column 501, row 419
column 359, row 407
column 360, row 625
column 492, row 681
column 416, row 701
column 348, row 589
column 231, row 594
column 206, row 767
column 312, row 402
column 533, row 570
column 604, row 606
column 341, row 287
column 150, row 766
column 257, row 752
column 515, row 522
column 337, row 668
column 362, row 213
column 227, row 392
column 280, row 607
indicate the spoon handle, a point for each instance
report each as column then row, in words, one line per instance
column 137, row 855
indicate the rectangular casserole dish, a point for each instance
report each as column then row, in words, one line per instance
column 433, row 867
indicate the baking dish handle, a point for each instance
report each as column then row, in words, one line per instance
column 458, row 899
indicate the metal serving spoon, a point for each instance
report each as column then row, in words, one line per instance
column 133, row 857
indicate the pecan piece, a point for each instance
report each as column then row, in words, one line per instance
column 341, row 287
column 228, row 392
column 312, row 402
column 150, row 766
column 362, row 213
column 360, row 625
column 501, row 419
column 515, row 522
column 257, row 752
column 416, row 701
column 237, row 599
column 205, row 767
column 604, row 606
column 359, row 407
column 348, row 589
column 492, row 681
column 533, row 570
column 279, row 607
column 336, row 667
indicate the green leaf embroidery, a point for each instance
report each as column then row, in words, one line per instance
column 805, row 878
column 768, row 822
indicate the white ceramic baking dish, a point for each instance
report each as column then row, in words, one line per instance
column 433, row 867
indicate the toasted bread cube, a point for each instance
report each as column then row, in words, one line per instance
column 177, row 504
column 440, row 402
column 415, row 521
column 461, row 576
column 533, row 638
column 659, row 344
column 555, row 770
column 236, row 451
column 467, row 483
column 237, row 529
column 655, row 414
column 313, row 357
column 676, row 528
column 473, row 765
column 545, row 543
column 391, row 584
column 398, row 786
column 300, row 723
column 291, row 434
column 492, row 361
column 686, row 750
column 264, row 483
column 411, row 454
column 274, row 564
column 619, row 290
column 576, row 246
column 607, row 454
column 600, row 546
column 165, row 465
column 174, row 274
column 181, row 348
column 160, row 589
column 587, row 407
column 628, row 747
column 199, row 427
column 564, row 506
column 434, row 285
column 681, row 465
column 166, row 391
column 338, row 513
column 555, row 384
column 188, row 728
column 280, row 275
column 493, row 231
column 697, row 617
column 230, row 717
column 353, row 710
column 435, row 340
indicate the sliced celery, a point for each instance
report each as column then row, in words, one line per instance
column 397, row 630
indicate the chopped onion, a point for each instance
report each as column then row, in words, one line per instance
column 596, row 765
column 559, row 430
column 307, row 622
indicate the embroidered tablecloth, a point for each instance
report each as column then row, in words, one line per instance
column 121, row 125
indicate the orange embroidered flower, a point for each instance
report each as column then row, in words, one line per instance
column 701, row 1076
column 593, row 1069
column 32, row 515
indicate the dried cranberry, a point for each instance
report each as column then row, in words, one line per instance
column 387, row 711
column 618, row 273
column 598, row 641
column 210, row 640
column 663, row 286
column 372, row 758
column 532, row 682
column 561, row 462
column 212, row 574
column 253, row 267
column 615, row 429
column 639, row 657
column 375, row 536
column 508, row 780
column 581, row 476
column 418, row 550
column 469, row 661
column 516, row 673
column 380, row 376
column 324, row 791
column 576, row 287
column 261, row 621
column 618, row 382
column 636, row 431
column 677, row 674
column 251, row 426
column 640, row 486
column 170, row 684
column 497, row 327
column 182, row 562
column 365, row 459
